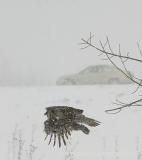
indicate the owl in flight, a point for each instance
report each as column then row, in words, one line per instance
column 62, row 120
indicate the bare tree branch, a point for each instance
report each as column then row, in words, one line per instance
column 110, row 54
column 122, row 106
column 115, row 55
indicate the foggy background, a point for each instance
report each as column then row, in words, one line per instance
column 39, row 42
column 39, row 39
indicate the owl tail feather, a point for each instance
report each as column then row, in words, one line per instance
column 88, row 121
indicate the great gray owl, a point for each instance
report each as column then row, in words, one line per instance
column 62, row 120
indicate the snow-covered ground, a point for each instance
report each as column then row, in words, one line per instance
column 22, row 115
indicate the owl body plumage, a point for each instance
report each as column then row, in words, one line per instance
column 62, row 120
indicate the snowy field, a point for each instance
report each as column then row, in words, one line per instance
column 22, row 115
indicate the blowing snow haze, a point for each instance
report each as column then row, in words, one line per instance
column 39, row 40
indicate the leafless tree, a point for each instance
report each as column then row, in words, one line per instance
column 138, row 148
column 70, row 148
column 116, row 150
column 32, row 147
column 103, row 147
column 17, row 144
column 14, row 142
column 20, row 146
column 106, row 50
column 21, row 149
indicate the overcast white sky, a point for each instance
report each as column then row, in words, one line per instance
column 39, row 38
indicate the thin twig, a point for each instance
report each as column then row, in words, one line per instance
column 140, row 51
column 115, row 55
column 112, row 54
column 118, row 109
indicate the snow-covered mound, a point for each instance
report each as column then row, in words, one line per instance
column 95, row 74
